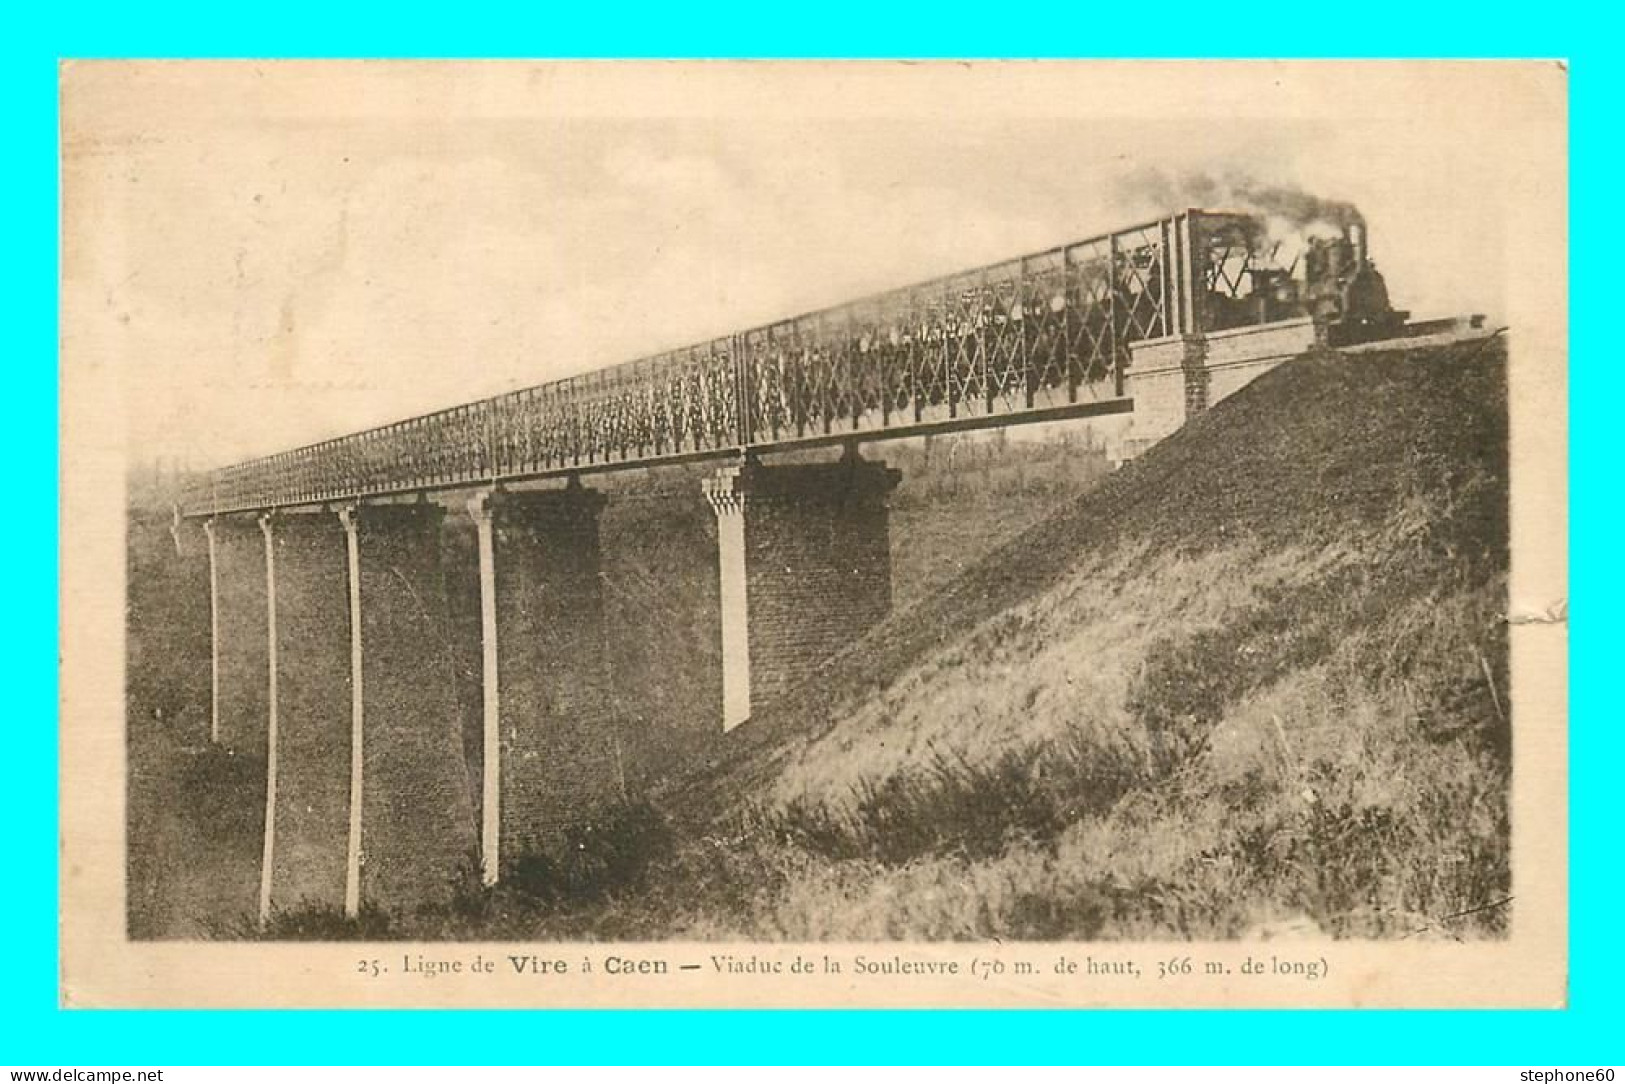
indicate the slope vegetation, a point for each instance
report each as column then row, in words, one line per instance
column 1255, row 681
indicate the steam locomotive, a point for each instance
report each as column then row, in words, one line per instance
column 1330, row 278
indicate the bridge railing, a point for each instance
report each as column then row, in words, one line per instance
column 1044, row 331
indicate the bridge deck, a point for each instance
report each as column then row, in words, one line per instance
column 1039, row 338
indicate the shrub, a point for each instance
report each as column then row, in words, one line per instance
column 954, row 805
column 609, row 853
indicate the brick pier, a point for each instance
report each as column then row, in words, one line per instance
column 549, row 721
column 805, row 563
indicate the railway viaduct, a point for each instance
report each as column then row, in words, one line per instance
column 327, row 572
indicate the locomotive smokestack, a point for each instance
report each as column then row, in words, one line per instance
column 1357, row 238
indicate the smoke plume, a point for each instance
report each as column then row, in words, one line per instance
column 1236, row 192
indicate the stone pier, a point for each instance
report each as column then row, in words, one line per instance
column 1174, row 379
column 241, row 657
column 313, row 712
column 805, row 565
column 417, row 833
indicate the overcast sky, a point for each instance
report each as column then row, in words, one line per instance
column 271, row 254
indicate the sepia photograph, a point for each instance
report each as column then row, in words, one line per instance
column 635, row 533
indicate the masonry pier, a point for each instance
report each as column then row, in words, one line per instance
column 1173, row 379
column 267, row 521
column 417, row 837
column 311, row 818
column 241, row 659
column 358, row 747
column 214, row 626
column 551, row 752
column 805, row 564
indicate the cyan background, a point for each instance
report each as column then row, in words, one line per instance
column 34, row 1031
